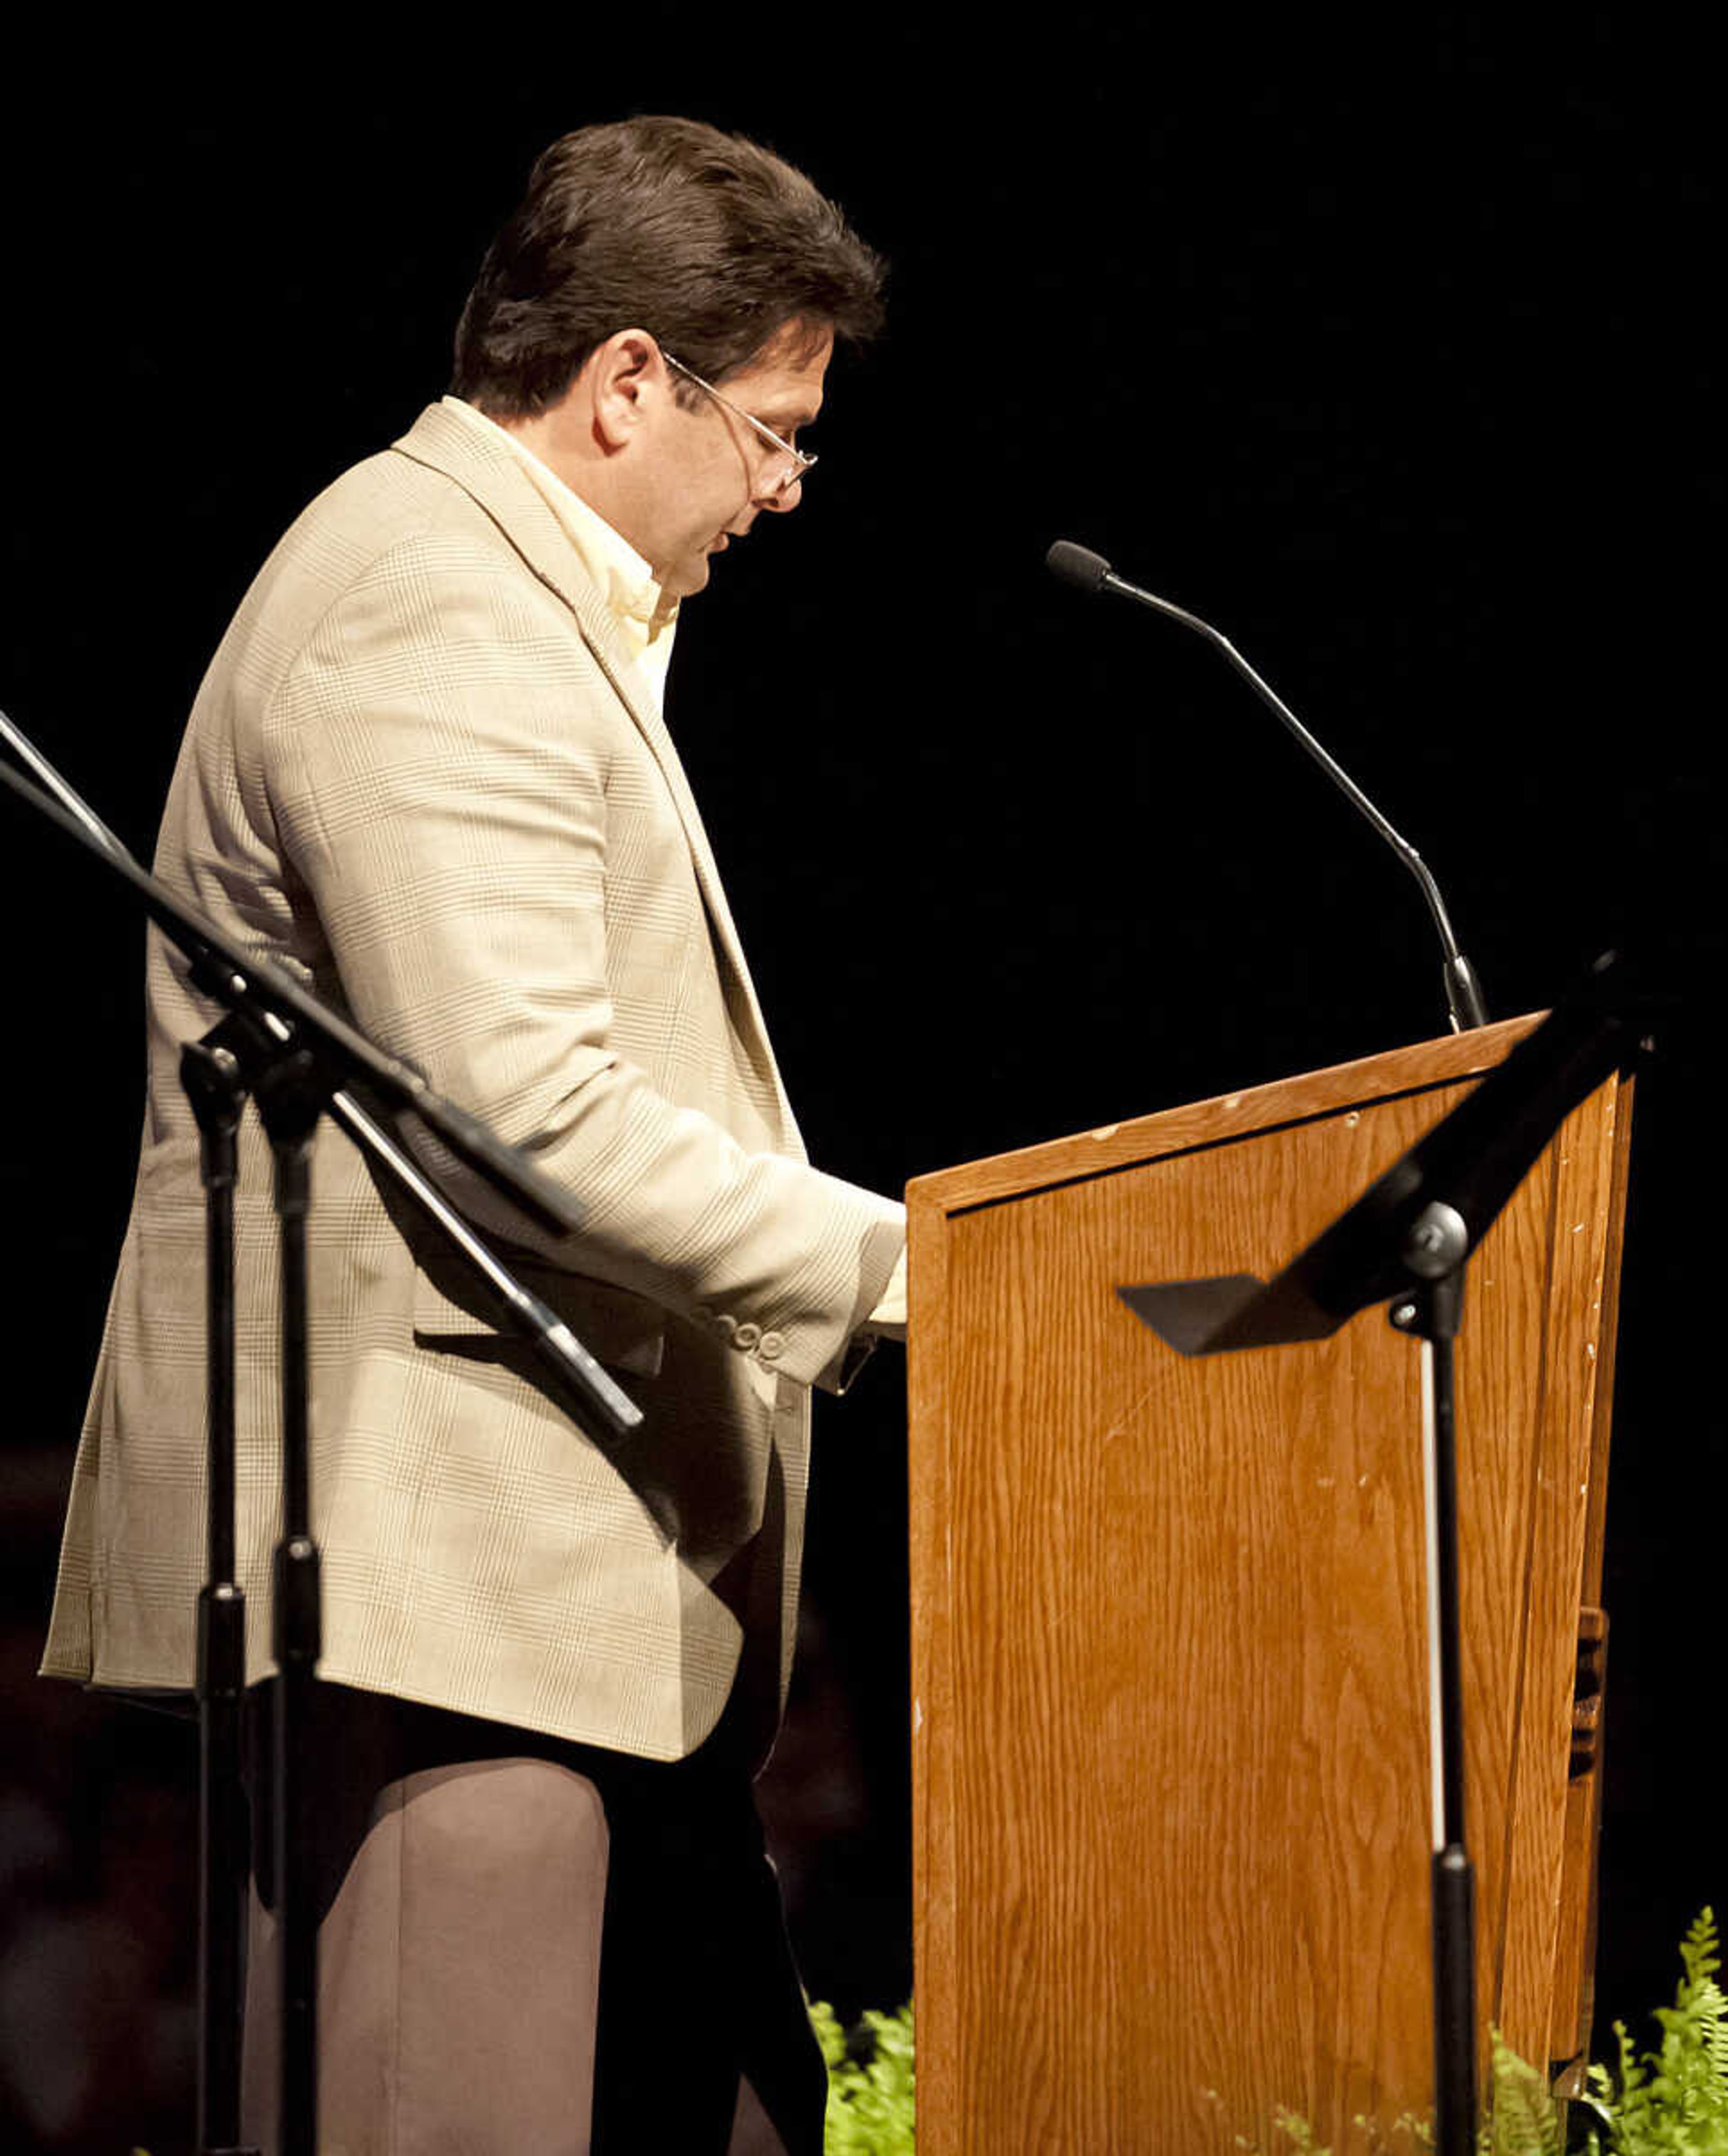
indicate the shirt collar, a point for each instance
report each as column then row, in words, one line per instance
column 625, row 579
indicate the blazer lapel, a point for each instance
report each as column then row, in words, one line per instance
column 490, row 474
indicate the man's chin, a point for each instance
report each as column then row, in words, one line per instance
column 685, row 577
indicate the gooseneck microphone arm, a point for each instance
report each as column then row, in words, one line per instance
column 1088, row 572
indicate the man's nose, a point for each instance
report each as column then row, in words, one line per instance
column 783, row 498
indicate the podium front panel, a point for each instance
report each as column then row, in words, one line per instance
column 1170, row 1663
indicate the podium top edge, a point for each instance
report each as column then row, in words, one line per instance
column 1334, row 1090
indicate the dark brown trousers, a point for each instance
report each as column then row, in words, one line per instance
column 528, row 1948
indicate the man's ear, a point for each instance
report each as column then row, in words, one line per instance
column 623, row 374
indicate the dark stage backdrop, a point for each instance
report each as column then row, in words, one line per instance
column 1386, row 354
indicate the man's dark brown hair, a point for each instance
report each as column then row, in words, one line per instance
column 705, row 240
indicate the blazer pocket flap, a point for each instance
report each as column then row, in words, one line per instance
column 617, row 1327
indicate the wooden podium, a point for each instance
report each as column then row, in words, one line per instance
column 1170, row 1669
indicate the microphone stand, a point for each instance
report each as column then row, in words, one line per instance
column 294, row 1056
column 210, row 1074
column 1090, row 572
column 291, row 1099
column 1408, row 1237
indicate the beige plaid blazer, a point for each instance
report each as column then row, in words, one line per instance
column 425, row 775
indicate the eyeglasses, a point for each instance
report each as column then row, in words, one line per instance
column 789, row 466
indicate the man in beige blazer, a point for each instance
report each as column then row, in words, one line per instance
column 428, row 772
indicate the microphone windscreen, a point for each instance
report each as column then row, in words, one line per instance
column 1077, row 565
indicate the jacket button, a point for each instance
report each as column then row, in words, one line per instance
column 772, row 1345
column 747, row 1335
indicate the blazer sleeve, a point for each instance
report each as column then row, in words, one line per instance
column 437, row 760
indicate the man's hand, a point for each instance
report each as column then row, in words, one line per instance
column 888, row 1320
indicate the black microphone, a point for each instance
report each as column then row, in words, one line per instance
column 1088, row 572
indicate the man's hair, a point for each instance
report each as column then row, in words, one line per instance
column 710, row 243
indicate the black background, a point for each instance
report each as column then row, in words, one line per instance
column 1383, row 349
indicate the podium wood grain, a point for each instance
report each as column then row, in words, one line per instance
column 1172, row 1814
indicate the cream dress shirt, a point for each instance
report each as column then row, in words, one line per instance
column 648, row 619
